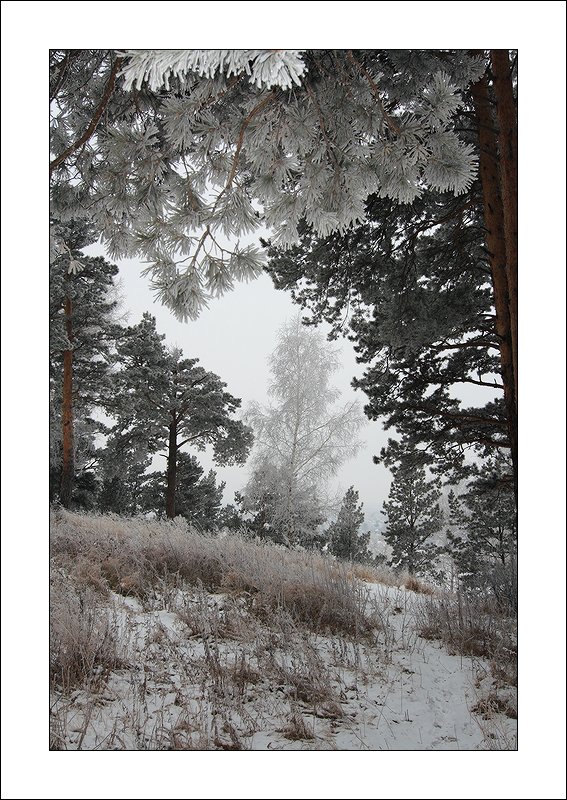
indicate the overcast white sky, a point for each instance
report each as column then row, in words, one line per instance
column 233, row 337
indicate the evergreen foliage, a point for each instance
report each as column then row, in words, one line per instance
column 198, row 497
column 346, row 541
column 164, row 401
column 82, row 329
column 90, row 283
column 124, row 478
column 230, row 517
column 167, row 152
column 482, row 539
column 413, row 515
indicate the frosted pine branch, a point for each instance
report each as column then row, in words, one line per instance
column 196, row 145
column 265, row 68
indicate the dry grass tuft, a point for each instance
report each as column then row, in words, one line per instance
column 296, row 728
column 413, row 584
column 495, row 703
column 364, row 572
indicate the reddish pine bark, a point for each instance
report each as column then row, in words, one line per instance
column 496, row 245
column 508, row 155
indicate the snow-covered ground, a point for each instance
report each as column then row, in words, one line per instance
column 200, row 672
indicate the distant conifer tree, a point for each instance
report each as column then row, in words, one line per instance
column 413, row 515
column 346, row 541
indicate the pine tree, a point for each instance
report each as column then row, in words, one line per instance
column 82, row 311
column 230, row 517
column 345, row 540
column 482, row 539
column 302, row 438
column 413, row 515
column 122, row 469
column 162, row 400
column 198, row 498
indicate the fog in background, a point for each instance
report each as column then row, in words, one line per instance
column 233, row 338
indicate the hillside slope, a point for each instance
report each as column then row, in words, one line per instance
column 167, row 639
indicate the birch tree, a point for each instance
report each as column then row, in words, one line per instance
column 302, row 436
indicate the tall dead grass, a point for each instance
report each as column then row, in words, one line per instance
column 216, row 643
column 131, row 556
column 469, row 626
column 84, row 640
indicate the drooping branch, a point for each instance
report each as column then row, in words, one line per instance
column 207, row 232
column 256, row 110
column 391, row 123
column 322, row 126
column 94, row 121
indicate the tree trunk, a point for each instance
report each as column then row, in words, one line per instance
column 68, row 466
column 508, row 152
column 290, row 522
column 171, row 470
column 410, row 566
column 496, row 246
